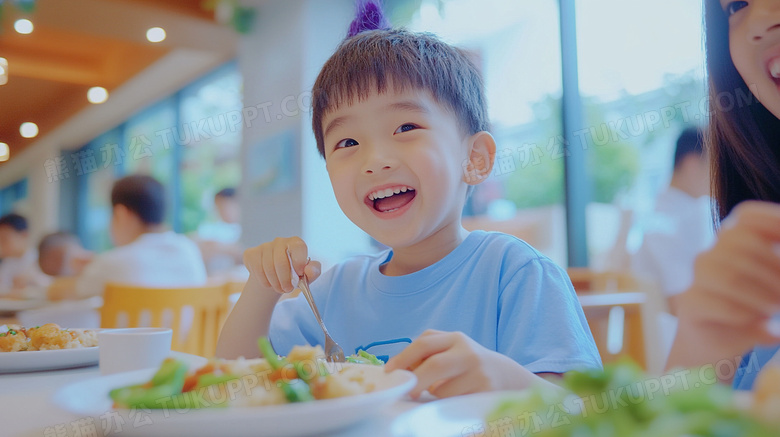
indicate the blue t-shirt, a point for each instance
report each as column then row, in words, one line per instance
column 751, row 365
column 493, row 287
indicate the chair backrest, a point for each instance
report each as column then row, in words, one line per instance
column 586, row 280
column 617, row 322
column 195, row 314
column 622, row 312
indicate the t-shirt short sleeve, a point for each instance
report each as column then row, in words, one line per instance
column 541, row 323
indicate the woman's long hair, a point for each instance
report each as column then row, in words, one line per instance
column 743, row 138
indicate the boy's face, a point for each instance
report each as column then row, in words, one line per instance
column 395, row 161
column 696, row 168
column 228, row 209
column 52, row 261
column 12, row 242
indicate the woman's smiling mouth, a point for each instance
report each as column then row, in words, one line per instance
column 773, row 66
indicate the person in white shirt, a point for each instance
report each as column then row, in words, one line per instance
column 146, row 254
column 219, row 241
column 682, row 225
column 19, row 267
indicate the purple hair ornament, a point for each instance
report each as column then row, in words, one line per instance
column 368, row 16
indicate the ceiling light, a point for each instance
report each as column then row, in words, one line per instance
column 23, row 26
column 28, row 129
column 97, row 94
column 155, row 34
column 3, row 71
column 5, row 152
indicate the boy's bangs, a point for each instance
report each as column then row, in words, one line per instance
column 356, row 87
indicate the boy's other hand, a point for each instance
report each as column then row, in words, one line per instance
column 268, row 263
column 452, row 364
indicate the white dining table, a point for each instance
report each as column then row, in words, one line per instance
column 27, row 408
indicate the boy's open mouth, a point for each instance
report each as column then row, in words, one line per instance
column 391, row 199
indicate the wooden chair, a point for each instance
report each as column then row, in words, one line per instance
column 232, row 292
column 621, row 313
column 209, row 308
column 586, row 280
column 617, row 324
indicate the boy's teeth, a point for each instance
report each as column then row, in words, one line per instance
column 774, row 68
column 381, row 194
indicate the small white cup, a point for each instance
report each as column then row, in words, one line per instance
column 126, row 349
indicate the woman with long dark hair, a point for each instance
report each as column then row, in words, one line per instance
column 726, row 316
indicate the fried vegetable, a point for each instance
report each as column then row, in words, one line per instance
column 296, row 391
column 166, row 382
column 363, row 357
column 269, row 354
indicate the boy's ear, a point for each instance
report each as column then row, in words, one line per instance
column 482, row 155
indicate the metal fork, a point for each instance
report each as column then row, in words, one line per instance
column 333, row 352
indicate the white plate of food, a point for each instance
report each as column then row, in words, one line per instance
column 235, row 416
column 31, row 361
column 46, row 347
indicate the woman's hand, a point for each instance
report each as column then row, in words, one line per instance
column 451, row 364
column 269, row 264
column 735, row 292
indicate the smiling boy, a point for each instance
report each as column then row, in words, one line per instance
column 401, row 120
column 394, row 161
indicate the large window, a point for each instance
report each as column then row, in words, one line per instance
column 641, row 80
column 12, row 195
column 148, row 149
column 150, row 152
column 183, row 140
column 97, row 165
column 210, row 160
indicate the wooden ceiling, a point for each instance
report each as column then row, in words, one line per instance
column 78, row 44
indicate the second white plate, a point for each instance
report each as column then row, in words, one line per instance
column 454, row 417
column 30, row 361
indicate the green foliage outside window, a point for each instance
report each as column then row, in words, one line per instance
column 613, row 160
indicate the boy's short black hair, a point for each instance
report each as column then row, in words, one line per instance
column 228, row 192
column 690, row 141
column 375, row 59
column 17, row 222
column 141, row 194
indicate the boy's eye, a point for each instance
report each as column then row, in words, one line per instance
column 406, row 128
column 732, row 7
column 349, row 142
